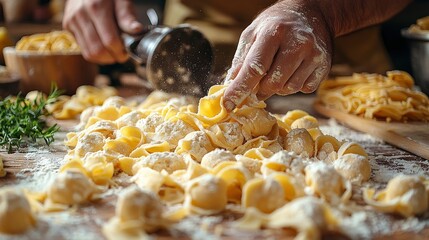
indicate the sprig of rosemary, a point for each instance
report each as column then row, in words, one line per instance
column 22, row 119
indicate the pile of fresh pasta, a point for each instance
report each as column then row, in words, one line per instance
column 375, row 96
column 52, row 42
column 189, row 157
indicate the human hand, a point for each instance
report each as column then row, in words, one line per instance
column 96, row 25
column 286, row 49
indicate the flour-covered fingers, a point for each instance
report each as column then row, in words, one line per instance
column 313, row 81
column 255, row 65
column 285, row 64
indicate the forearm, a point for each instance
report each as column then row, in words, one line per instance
column 345, row 16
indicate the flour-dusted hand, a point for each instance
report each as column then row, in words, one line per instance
column 97, row 24
column 286, row 49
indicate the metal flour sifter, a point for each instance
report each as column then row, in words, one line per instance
column 173, row 59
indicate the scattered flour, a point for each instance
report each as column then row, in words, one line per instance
column 44, row 168
column 340, row 132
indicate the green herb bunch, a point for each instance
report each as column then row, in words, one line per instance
column 21, row 119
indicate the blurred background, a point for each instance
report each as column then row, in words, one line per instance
column 384, row 48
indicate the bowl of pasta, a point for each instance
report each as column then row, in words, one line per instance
column 50, row 58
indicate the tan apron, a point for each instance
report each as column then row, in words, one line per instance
column 222, row 21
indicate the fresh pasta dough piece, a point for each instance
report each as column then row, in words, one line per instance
column 324, row 181
column 193, row 170
column 70, row 187
column 293, row 115
column 351, row 147
column 308, row 215
column 129, row 119
column 258, row 153
column 235, row 177
column 253, row 165
column 284, row 161
column 215, row 157
column 133, row 136
column 172, row 132
column 306, row 122
column 255, row 121
column 15, row 212
column 266, row 195
column 326, row 148
column 91, row 142
column 126, row 164
column 196, row 144
column 292, row 185
column 159, row 161
column 84, row 117
column 210, row 108
column 98, row 167
column 148, row 124
column 107, row 128
column 206, row 195
column 148, row 148
column 110, row 113
column 226, row 135
column 159, row 183
column 137, row 212
column 117, row 147
column 299, row 141
column 315, row 132
column 114, row 101
column 259, row 142
column 404, row 194
column 353, row 167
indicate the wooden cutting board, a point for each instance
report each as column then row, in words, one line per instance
column 412, row 136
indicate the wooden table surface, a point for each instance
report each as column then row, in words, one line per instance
column 385, row 159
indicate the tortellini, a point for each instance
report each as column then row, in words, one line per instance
column 308, row 216
column 326, row 148
column 215, row 157
column 226, row 135
column 264, row 194
column 235, row 177
column 159, row 183
column 71, row 187
column 299, row 141
column 137, row 212
column 206, row 195
column 353, row 167
column 196, row 144
column 15, row 212
column 324, row 181
column 257, row 122
column 172, row 132
column 405, row 195
column 159, row 161
column 284, row 161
